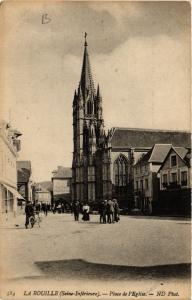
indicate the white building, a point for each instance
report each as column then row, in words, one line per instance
column 9, row 147
column 175, row 170
column 62, row 184
column 43, row 192
column 146, row 183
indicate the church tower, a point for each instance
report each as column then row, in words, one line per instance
column 89, row 139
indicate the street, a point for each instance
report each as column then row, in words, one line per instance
column 137, row 251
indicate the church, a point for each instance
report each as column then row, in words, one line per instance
column 91, row 178
column 102, row 165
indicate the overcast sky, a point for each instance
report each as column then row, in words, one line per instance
column 139, row 53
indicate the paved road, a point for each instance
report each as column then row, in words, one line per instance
column 135, row 249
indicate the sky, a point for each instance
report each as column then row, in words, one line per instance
column 139, row 54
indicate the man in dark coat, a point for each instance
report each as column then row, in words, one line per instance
column 116, row 210
column 76, row 209
column 103, row 211
column 110, row 211
column 37, row 208
column 29, row 211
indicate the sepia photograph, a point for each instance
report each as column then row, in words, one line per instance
column 95, row 150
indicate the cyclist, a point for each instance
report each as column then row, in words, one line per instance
column 29, row 211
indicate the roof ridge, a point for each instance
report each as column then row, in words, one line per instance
column 166, row 144
column 152, row 150
column 150, row 129
column 178, row 153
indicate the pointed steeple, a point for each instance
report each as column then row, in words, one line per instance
column 86, row 82
column 98, row 93
column 80, row 98
column 74, row 99
column 98, row 103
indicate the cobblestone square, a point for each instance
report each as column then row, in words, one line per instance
column 138, row 251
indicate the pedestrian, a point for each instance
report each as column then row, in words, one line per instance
column 110, row 211
column 76, row 209
column 37, row 208
column 29, row 211
column 45, row 209
column 86, row 210
column 116, row 210
column 103, row 211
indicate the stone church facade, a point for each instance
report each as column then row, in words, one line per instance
column 103, row 162
column 91, row 178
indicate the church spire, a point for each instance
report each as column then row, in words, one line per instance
column 99, row 103
column 99, row 93
column 86, row 82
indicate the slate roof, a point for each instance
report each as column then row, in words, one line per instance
column 145, row 138
column 23, row 171
column 156, row 154
column 184, row 155
column 24, row 164
column 62, row 173
column 45, row 186
column 181, row 151
column 159, row 152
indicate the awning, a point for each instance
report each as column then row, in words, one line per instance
column 13, row 191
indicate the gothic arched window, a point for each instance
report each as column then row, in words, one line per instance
column 120, row 171
column 89, row 107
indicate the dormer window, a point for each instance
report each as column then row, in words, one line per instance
column 173, row 160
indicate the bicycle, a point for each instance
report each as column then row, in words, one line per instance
column 35, row 219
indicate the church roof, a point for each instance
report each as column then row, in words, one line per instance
column 86, row 81
column 145, row 138
column 62, row 173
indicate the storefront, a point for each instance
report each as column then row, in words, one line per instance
column 9, row 199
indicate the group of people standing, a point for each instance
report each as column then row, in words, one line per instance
column 44, row 207
column 108, row 211
column 85, row 209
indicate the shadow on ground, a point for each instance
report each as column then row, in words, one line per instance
column 81, row 269
column 11, row 228
column 170, row 218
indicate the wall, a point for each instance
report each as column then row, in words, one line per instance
column 61, row 186
column 143, row 172
column 43, row 196
column 148, row 196
column 168, row 169
column 8, row 172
